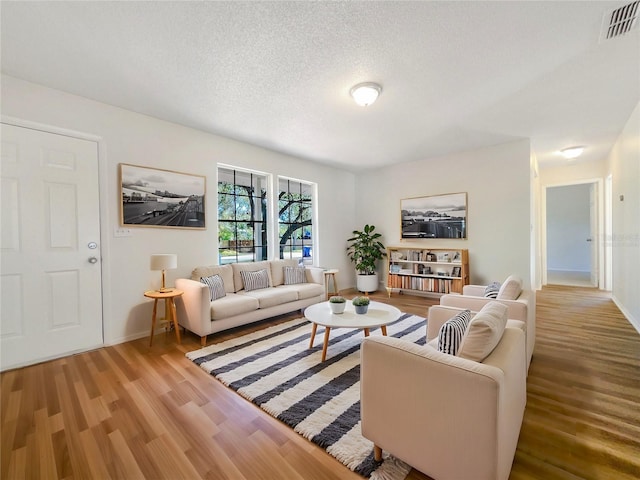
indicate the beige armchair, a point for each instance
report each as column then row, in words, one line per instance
column 521, row 304
column 447, row 416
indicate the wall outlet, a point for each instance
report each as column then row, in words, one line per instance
column 121, row 232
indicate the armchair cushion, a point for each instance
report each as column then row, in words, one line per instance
column 484, row 332
column 452, row 331
column 510, row 289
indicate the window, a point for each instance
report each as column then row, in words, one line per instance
column 295, row 214
column 242, row 216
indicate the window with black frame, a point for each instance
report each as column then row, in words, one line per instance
column 242, row 216
column 295, row 215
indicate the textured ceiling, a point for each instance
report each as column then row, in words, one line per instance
column 455, row 75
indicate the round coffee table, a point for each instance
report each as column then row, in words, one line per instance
column 378, row 315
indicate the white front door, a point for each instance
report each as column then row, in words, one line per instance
column 50, row 282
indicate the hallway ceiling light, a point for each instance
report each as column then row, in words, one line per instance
column 365, row 94
column 572, row 152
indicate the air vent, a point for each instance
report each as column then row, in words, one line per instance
column 620, row 21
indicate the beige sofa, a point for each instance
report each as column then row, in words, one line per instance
column 447, row 416
column 521, row 304
column 198, row 314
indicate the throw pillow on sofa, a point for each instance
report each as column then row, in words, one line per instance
column 294, row 275
column 452, row 331
column 484, row 332
column 216, row 286
column 255, row 280
column 511, row 288
column 492, row 290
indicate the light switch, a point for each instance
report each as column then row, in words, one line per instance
column 121, row 232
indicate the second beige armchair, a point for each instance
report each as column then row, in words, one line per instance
column 520, row 302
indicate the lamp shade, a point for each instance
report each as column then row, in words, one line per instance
column 164, row 261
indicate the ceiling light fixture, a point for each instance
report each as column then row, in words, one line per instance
column 365, row 94
column 572, row 152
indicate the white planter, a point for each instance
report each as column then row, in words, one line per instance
column 337, row 308
column 367, row 283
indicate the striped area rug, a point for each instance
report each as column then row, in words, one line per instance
column 276, row 370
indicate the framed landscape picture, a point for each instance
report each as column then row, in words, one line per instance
column 436, row 216
column 152, row 197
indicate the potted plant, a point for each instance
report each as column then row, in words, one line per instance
column 364, row 251
column 361, row 304
column 337, row 304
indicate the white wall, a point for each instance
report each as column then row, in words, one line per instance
column 129, row 137
column 573, row 173
column 497, row 182
column 624, row 164
column 568, row 227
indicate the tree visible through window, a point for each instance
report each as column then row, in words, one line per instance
column 242, row 216
column 295, row 214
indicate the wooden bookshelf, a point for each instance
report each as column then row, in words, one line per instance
column 427, row 270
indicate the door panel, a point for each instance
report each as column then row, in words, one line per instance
column 51, row 293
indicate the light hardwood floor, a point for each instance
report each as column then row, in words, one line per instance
column 130, row 411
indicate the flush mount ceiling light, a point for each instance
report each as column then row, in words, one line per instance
column 572, row 152
column 365, row 94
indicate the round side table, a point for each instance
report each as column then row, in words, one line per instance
column 169, row 307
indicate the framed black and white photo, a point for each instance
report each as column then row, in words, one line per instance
column 151, row 197
column 436, row 216
column 455, row 272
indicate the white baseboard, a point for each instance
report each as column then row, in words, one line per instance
column 128, row 338
column 632, row 320
column 49, row 358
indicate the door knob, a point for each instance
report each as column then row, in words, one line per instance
column 93, row 260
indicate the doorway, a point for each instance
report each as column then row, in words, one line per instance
column 50, row 261
column 572, row 232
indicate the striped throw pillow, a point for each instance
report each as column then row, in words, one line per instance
column 492, row 290
column 216, row 286
column 294, row 275
column 255, row 280
column 452, row 331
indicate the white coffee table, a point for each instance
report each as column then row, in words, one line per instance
column 378, row 315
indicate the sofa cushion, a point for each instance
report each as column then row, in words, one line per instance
column 231, row 305
column 248, row 267
column 255, row 280
column 225, row 272
column 510, row 289
column 452, row 331
column 305, row 290
column 484, row 332
column 277, row 270
column 216, row 286
column 492, row 290
column 294, row 275
column 270, row 297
